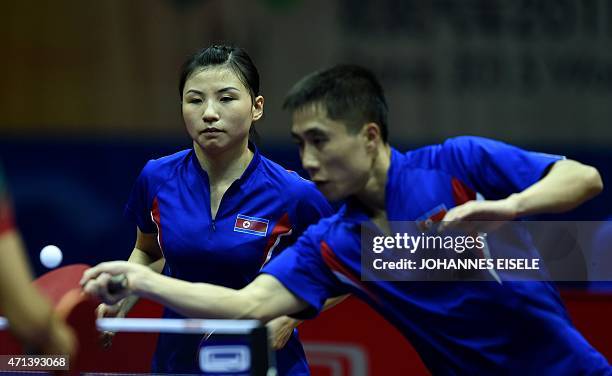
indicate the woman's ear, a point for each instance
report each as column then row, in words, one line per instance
column 258, row 106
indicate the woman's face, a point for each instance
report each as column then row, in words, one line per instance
column 218, row 110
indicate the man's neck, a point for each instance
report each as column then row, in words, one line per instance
column 373, row 194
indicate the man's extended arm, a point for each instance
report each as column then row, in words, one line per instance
column 263, row 299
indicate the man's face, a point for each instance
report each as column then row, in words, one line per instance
column 336, row 158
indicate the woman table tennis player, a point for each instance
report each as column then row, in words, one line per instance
column 217, row 212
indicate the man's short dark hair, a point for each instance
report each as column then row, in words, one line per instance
column 349, row 93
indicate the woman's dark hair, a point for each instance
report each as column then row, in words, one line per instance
column 236, row 58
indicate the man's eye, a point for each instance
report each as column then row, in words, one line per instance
column 194, row 100
column 226, row 99
column 319, row 141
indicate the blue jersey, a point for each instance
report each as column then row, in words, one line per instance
column 468, row 328
column 260, row 214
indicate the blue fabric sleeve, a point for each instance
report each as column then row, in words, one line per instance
column 138, row 207
column 493, row 168
column 301, row 269
column 308, row 207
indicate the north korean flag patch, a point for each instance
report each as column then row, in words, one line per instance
column 434, row 215
column 251, row 225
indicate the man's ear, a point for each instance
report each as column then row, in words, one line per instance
column 372, row 135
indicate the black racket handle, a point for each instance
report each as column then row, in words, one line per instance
column 117, row 284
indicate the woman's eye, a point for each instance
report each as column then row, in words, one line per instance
column 194, row 100
column 226, row 99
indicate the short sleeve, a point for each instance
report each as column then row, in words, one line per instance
column 308, row 207
column 493, row 168
column 301, row 269
column 140, row 202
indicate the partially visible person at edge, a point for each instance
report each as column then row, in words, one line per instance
column 218, row 211
column 31, row 318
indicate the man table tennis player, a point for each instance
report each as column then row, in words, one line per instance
column 30, row 317
column 340, row 124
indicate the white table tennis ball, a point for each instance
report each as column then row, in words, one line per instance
column 50, row 256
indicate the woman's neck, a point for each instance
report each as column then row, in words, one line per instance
column 225, row 166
